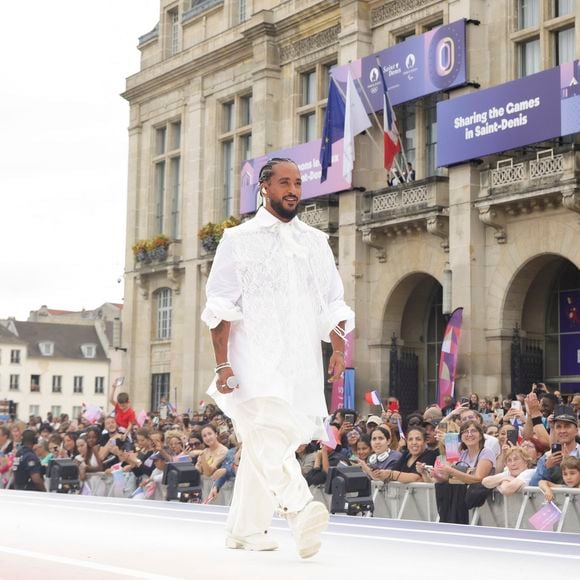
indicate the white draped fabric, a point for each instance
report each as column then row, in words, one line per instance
column 278, row 285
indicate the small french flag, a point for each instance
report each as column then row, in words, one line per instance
column 373, row 398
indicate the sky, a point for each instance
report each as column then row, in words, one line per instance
column 63, row 149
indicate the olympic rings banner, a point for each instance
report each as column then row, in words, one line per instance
column 529, row 110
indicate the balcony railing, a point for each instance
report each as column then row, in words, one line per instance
column 321, row 216
column 547, row 169
column 406, row 199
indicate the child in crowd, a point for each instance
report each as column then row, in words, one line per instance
column 124, row 413
column 570, row 467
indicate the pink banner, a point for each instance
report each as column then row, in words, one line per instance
column 337, row 399
column 448, row 360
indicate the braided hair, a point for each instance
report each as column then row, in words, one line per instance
column 268, row 169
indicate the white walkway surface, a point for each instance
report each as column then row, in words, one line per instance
column 76, row 537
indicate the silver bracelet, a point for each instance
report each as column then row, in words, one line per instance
column 224, row 365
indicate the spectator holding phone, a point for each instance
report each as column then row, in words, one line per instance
column 565, row 430
column 416, row 456
column 515, row 476
column 475, row 462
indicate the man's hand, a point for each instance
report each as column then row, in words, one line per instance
column 222, row 377
column 336, row 367
column 532, row 405
column 554, row 459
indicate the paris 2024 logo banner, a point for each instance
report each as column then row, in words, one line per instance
column 419, row 66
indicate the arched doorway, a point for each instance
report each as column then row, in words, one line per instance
column 414, row 323
column 543, row 305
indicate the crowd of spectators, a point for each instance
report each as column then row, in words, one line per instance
column 502, row 445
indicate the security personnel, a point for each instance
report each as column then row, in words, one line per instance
column 27, row 468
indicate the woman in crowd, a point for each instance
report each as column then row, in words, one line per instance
column 140, row 462
column 492, row 430
column 306, row 456
column 352, row 438
column 410, row 466
column 69, row 443
column 363, row 449
column 505, row 445
column 474, row 402
column 213, row 454
column 475, row 463
column 383, row 456
column 515, row 476
column 92, row 459
column 211, row 458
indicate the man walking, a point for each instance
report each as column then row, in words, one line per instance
column 273, row 294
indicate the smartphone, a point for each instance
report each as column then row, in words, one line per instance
column 349, row 418
column 499, row 413
column 512, row 436
column 393, row 407
column 119, row 381
column 516, row 405
column 556, row 448
column 464, row 401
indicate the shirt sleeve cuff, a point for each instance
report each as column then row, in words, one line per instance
column 219, row 309
column 337, row 312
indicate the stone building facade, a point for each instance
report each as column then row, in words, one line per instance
column 221, row 82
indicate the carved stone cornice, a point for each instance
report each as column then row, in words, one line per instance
column 571, row 199
column 438, row 225
column 304, row 46
column 394, row 9
column 494, row 217
column 377, row 240
column 143, row 285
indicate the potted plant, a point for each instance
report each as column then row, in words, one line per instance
column 140, row 250
column 158, row 247
column 211, row 234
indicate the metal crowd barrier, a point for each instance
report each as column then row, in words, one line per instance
column 416, row 501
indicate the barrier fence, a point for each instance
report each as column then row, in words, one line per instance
column 416, row 501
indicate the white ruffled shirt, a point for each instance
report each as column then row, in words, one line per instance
column 277, row 283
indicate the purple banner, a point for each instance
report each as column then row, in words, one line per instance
column 424, row 64
column 306, row 157
column 421, row 65
column 532, row 109
column 570, row 333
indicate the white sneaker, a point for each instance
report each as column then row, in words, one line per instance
column 307, row 525
column 255, row 543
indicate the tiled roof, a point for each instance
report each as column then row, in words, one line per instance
column 6, row 337
column 67, row 339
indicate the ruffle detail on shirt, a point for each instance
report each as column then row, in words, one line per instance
column 336, row 312
column 218, row 309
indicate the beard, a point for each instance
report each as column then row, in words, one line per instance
column 279, row 208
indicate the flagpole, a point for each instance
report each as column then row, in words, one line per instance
column 400, row 140
column 344, row 97
column 376, row 119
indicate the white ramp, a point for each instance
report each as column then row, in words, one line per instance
column 77, row 537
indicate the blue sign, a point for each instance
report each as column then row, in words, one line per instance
column 529, row 110
column 423, row 64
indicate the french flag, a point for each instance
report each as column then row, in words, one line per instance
column 392, row 140
column 373, row 398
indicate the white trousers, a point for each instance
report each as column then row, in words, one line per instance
column 269, row 476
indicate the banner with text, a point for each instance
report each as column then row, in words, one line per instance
column 419, row 66
column 529, row 110
column 306, row 157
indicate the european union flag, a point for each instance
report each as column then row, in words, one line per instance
column 333, row 127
